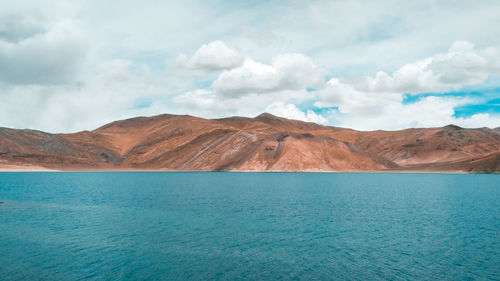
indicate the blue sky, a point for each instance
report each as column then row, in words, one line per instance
column 75, row 65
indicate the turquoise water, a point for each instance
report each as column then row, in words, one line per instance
column 249, row 226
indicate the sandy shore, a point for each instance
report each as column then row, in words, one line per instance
column 21, row 168
column 24, row 168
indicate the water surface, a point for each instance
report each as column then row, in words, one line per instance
column 249, row 226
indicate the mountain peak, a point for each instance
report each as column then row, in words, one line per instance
column 453, row 127
column 267, row 115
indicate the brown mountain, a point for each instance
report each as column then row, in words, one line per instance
column 263, row 143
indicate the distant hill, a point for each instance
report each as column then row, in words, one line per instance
column 263, row 143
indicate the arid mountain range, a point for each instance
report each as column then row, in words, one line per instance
column 263, row 143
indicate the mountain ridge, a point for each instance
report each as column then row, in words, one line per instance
column 263, row 143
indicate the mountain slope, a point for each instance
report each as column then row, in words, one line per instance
column 263, row 143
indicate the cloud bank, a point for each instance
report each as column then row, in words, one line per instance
column 68, row 66
column 366, row 103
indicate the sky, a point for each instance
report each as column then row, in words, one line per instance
column 67, row 66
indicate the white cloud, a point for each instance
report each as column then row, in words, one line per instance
column 462, row 65
column 251, row 77
column 291, row 111
column 207, row 103
column 352, row 101
column 479, row 120
column 366, row 103
column 431, row 111
column 377, row 102
column 286, row 72
column 106, row 94
column 72, row 65
column 53, row 56
column 201, row 99
column 254, row 87
column 213, row 56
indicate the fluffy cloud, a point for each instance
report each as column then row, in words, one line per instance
column 255, row 87
column 377, row 102
column 69, row 65
column 431, row 111
column 291, row 111
column 213, row 56
column 286, row 72
column 365, row 103
column 462, row 65
column 207, row 103
column 106, row 94
column 53, row 56
column 201, row 100
column 349, row 100
column 478, row 120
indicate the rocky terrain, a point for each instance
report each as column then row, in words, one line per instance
column 263, row 143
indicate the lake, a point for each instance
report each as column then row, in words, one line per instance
column 249, row 226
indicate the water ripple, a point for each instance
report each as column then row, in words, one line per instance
column 238, row 226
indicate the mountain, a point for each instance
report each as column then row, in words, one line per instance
column 263, row 143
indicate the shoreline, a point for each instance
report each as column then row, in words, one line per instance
column 311, row 171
